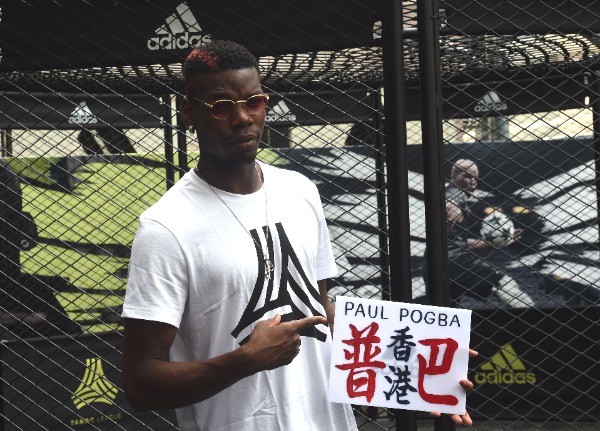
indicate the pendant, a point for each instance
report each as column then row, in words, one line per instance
column 268, row 268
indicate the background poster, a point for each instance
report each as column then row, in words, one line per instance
column 84, row 211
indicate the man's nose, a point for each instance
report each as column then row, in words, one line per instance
column 241, row 114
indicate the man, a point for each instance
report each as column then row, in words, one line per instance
column 226, row 298
column 468, row 272
column 464, row 176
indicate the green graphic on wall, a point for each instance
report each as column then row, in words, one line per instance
column 94, row 386
column 68, row 226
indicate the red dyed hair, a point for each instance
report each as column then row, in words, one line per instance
column 217, row 56
column 208, row 58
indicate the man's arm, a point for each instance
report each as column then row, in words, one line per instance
column 477, row 244
column 327, row 304
column 480, row 244
column 152, row 382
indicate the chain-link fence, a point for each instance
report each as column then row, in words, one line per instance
column 91, row 137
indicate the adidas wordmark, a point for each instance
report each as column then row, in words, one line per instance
column 280, row 112
column 504, row 368
column 82, row 115
column 490, row 102
column 180, row 31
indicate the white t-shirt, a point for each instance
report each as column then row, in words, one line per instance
column 195, row 267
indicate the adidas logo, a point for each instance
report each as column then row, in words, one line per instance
column 94, row 386
column 180, row 31
column 82, row 115
column 504, row 368
column 280, row 112
column 490, row 102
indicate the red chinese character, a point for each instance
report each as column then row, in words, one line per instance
column 361, row 373
column 435, row 370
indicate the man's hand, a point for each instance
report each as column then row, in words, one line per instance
column 480, row 244
column 274, row 344
column 516, row 237
column 467, row 385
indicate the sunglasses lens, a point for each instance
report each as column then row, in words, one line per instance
column 256, row 104
column 223, row 109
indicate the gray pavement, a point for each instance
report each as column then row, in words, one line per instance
column 484, row 425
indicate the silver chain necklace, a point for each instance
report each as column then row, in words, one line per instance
column 266, row 261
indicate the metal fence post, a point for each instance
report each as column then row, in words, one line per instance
column 397, row 170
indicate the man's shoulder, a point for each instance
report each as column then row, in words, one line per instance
column 286, row 176
column 173, row 202
column 455, row 194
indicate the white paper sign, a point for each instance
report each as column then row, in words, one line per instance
column 398, row 355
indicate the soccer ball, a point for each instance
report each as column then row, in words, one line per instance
column 497, row 229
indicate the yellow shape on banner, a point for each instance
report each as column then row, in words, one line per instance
column 94, row 387
column 505, row 359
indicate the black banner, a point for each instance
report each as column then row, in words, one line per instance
column 93, row 111
column 509, row 17
column 308, row 109
column 474, row 100
column 535, row 363
column 69, row 383
column 41, row 35
column 509, row 97
column 75, row 111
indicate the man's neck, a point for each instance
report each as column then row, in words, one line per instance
column 239, row 179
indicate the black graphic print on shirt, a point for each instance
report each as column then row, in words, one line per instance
column 289, row 285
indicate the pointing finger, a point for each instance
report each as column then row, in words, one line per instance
column 307, row 322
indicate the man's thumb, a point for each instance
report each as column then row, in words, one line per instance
column 276, row 320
